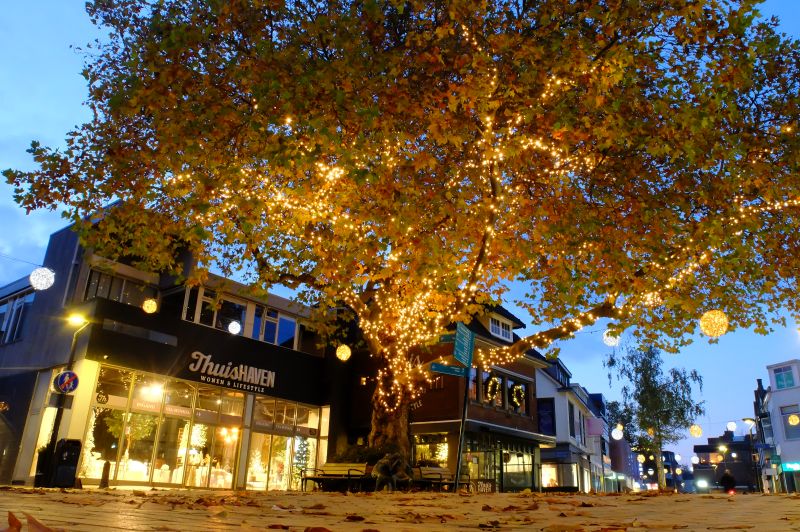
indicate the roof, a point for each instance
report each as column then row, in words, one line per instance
column 504, row 313
column 16, row 286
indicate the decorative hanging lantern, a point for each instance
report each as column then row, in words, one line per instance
column 149, row 305
column 343, row 352
column 617, row 433
column 695, row 431
column 793, row 420
column 234, row 327
column 678, row 458
column 714, row 323
column 731, row 426
column 610, row 338
column 42, row 278
column 695, row 460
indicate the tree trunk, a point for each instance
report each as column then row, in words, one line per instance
column 390, row 428
column 662, row 478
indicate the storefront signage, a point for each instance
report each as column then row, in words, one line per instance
column 484, row 485
column 241, row 376
column 791, row 466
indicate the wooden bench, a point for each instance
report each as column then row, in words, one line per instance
column 438, row 478
column 335, row 476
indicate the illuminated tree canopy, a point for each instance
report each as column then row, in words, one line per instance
column 627, row 160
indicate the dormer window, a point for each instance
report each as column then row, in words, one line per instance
column 783, row 377
column 500, row 328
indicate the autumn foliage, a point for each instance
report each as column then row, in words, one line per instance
column 628, row 160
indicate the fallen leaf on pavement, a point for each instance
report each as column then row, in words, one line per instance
column 353, row 517
column 35, row 526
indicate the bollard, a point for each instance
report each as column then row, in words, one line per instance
column 106, row 472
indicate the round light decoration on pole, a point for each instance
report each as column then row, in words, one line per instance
column 695, row 431
column 714, row 323
column 149, row 305
column 42, row 278
column 610, row 338
column 234, row 327
column 793, row 420
column 343, row 352
column 731, row 426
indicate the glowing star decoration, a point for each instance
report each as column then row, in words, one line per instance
column 610, row 339
column 695, row 431
column 640, row 458
column 343, row 352
column 42, row 278
column 793, row 420
column 149, row 305
column 234, row 327
column 731, row 426
column 695, row 460
column 714, row 323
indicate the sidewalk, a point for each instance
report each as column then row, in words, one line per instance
column 197, row 510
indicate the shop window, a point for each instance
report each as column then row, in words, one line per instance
column 784, row 377
column 208, row 401
column 285, row 412
column 431, row 449
column 106, row 286
column 13, row 312
column 231, row 408
column 263, row 413
column 791, row 421
column 178, row 398
column 517, row 393
column 549, row 475
column 147, row 395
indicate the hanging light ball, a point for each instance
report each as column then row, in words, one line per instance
column 343, row 352
column 610, row 338
column 731, row 426
column 793, row 420
column 695, row 431
column 42, row 278
column 149, row 305
column 234, row 327
column 616, row 433
column 678, row 458
column 695, row 460
column 714, row 323
column 640, row 459
column 678, row 471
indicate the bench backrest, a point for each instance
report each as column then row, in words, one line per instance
column 434, row 473
column 343, row 469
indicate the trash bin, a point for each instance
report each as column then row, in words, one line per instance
column 65, row 463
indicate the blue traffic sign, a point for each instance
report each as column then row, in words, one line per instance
column 448, row 370
column 66, row 381
column 464, row 345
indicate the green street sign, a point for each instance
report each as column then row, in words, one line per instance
column 465, row 344
column 448, row 370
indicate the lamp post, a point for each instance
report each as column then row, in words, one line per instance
column 751, row 423
column 61, row 399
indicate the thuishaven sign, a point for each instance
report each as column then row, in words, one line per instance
column 241, row 377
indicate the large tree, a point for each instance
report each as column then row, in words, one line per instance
column 657, row 406
column 626, row 160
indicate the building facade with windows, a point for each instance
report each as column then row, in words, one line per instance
column 215, row 388
column 779, row 421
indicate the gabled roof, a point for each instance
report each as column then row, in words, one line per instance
column 504, row 313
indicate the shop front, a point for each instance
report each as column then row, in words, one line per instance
column 194, row 408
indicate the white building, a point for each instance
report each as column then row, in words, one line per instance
column 782, row 426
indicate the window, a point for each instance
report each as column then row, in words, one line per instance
column 500, row 328
column 571, row 420
column 492, row 389
column 213, row 312
column 547, row 417
column 106, row 286
column 13, row 312
column 272, row 327
column 783, row 377
column 473, row 384
column 517, row 393
column 791, row 421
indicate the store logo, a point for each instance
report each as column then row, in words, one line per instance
column 240, row 376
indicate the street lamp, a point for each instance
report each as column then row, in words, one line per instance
column 751, row 423
column 80, row 321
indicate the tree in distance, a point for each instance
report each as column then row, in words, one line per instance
column 408, row 160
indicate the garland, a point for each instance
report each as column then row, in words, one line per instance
column 518, row 395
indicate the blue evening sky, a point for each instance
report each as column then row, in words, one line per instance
column 41, row 98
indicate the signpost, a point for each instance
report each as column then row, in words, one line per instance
column 464, row 344
column 448, row 370
column 66, row 382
